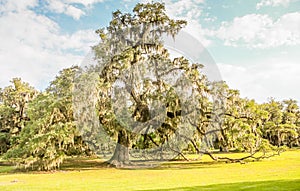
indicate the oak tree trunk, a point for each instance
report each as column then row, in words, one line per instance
column 121, row 154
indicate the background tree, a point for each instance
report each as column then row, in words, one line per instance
column 51, row 133
column 282, row 127
column 238, row 123
column 14, row 101
column 290, row 134
column 273, row 124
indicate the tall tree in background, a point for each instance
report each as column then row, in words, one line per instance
column 14, row 101
column 241, row 124
column 274, row 122
column 282, row 126
column 291, row 129
column 51, row 133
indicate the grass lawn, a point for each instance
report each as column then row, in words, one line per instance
column 277, row 173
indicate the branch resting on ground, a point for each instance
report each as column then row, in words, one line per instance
column 228, row 159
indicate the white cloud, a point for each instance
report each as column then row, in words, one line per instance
column 84, row 2
column 33, row 47
column 16, row 5
column 79, row 41
column 69, row 8
column 276, row 77
column 272, row 3
column 261, row 31
column 74, row 12
column 189, row 10
column 59, row 6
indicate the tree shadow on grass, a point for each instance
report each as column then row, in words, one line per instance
column 79, row 163
column 276, row 185
column 95, row 163
column 86, row 163
column 70, row 164
column 177, row 165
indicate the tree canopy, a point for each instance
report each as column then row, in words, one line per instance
column 50, row 133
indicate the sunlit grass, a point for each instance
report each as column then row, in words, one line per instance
column 277, row 173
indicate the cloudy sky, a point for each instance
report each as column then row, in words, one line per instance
column 255, row 43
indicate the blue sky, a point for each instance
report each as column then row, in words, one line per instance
column 255, row 44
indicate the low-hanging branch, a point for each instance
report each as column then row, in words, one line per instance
column 233, row 160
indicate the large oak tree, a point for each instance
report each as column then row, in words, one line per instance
column 146, row 100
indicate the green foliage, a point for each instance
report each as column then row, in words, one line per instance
column 51, row 133
column 44, row 140
column 14, row 101
column 251, row 127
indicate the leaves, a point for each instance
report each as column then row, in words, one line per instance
column 14, row 111
column 50, row 135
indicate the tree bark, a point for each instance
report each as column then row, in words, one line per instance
column 121, row 154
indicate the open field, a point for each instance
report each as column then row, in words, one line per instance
column 277, row 173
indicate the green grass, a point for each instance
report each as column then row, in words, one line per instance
column 277, row 173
